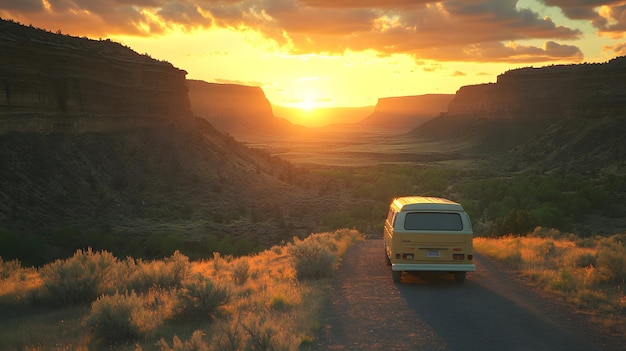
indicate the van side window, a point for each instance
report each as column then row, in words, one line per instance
column 433, row 221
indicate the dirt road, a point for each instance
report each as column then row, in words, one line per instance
column 492, row 310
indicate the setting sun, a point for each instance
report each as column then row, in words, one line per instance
column 307, row 105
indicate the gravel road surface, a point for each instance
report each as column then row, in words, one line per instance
column 493, row 310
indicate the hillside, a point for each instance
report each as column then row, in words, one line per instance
column 189, row 181
column 238, row 110
column 556, row 116
column 98, row 143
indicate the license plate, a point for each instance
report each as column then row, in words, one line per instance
column 432, row 254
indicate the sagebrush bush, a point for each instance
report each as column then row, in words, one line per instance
column 585, row 260
column 201, row 298
column 116, row 318
column 312, row 259
column 9, row 268
column 241, row 271
column 279, row 303
column 220, row 262
column 563, row 281
column 514, row 259
column 78, row 279
column 169, row 272
column 195, row 343
column 612, row 263
column 263, row 335
column 547, row 248
column 592, row 298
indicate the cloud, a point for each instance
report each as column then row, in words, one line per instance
column 618, row 49
column 469, row 30
column 505, row 52
column 609, row 17
column 351, row 4
column 26, row 6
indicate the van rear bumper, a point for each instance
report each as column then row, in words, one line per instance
column 430, row 267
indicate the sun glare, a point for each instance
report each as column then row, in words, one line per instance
column 307, row 105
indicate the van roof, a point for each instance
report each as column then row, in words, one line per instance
column 412, row 203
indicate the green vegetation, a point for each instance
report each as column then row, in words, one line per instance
column 498, row 205
column 265, row 301
column 552, row 201
column 590, row 272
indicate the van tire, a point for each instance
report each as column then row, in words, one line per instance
column 387, row 259
column 396, row 275
column 459, row 277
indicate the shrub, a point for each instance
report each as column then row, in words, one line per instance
column 78, row 279
column 592, row 298
column 169, row 272
column 9, row 268
column 564, row 282
column 201, row 299
column 612, row 263
column 585, row 260
column 517, row 221
column 220, row 262
column 115, row 319
column 195, row 343
column 514, row 259
column 241, row 271
column 279, row 304
column 229, row 336
column 546, row 248
column 262, row 335
column 312, row 259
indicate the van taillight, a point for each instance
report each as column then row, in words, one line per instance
column 398, row 256
column 470, row 257
column 458, row 257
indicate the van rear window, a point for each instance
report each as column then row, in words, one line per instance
column 433, row 221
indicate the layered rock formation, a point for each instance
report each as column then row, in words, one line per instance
column 52, row 82
column 572, row 115
column 241, row 111
column 554, row 91
column 401, row 114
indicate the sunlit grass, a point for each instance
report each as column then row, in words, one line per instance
column 590, row 272
column 219, row 303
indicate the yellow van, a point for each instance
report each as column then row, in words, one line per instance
column 428, row 234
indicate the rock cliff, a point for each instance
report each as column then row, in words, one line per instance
column 566, row 115
column 404, row 113
column 556, row 91
column 241, row 111
column 52, row 82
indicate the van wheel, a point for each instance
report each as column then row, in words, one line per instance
column 395, row 275
column 459, row 277
column 387, row 258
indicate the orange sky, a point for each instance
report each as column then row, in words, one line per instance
column 326, row 53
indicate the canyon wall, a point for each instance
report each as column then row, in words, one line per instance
column 239, row 110
column 53, row 82
column 404, row 113
column 586, row 90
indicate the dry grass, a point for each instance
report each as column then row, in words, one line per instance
column 263, row 305
column 588, row 272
